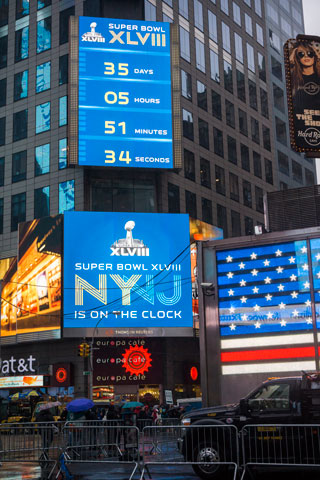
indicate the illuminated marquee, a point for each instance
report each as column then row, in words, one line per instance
column 27, row 381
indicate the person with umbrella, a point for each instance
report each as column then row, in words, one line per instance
column 76, row 417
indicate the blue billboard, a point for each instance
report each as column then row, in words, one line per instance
column 125, row 107
column 129, row 275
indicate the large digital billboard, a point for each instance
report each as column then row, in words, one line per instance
column 124, row 93
column 129, row 275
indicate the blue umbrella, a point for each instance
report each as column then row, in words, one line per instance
column 80, row 405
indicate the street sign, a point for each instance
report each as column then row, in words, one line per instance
column 86, row 373
column 168, row 397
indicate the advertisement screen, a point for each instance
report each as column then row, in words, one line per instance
column 302, row 57
column 129, row 275
column 27, row 381
column 124, row 95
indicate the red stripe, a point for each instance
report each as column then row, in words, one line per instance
column 277, row 353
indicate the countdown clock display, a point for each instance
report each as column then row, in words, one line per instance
column 124, row 93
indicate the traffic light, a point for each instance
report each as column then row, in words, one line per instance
column 81, row 350
column 87, row 348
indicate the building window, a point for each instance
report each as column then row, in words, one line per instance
column 66, row 196
column 19, row 166
column 255, row 135
column 173, row 198
column 266, row 138
column 241, row 89
column 4, row 10
column 43, row 117
column 44, row 35
column 262, row 67
column 63, row 151
column 3, row 51
column 63, row 111
column 281, row 131
column 206, row 210
column 212, row 22
column 203, row 133
column 2, row 171
column 283, row 186
column 276, row 68
column 232, row 150
column 150, row 12
column 191, row 204
column 189, row 165
column 42, row 202
column 20, row 89
column 238, row 47
column 21, row 50
column 18, row 210
column 245, row 158
column 218, row 141
column 230, row 114
column 283, row 163
column 186, row 85
column 42, row 159
column 43, row 3
column 43, row 77
column 22, row 8
column 248, row 24
column 222, row 219
column 310, row 180
column 278, row 97
column 225, row 6
column 200, row 57
column 64, row 24
column 214, row 66
column 1, row 215
column 250, row 58
column 243, row 122
column 258, row 7
column 2, row 131
column 269, row 171
column 264, row 103
column 235, row 224
column 3, row 92
column 259, row 199
column 257, row 167
column 226, row 37
column 205, row 174
column 187, row 124
column 198, row 15
column 234, row 187
column 183, row 8
column 202, row 95
column 259, row 32
column 220, row 180
column 253, row 95
column 274, row 40
column 247, row 196
column 216, row 104
column 227, row 70
column 184, row 44
column 248, row 225
column 63, row 69
column 236, row 13
column 296, row 171
column 20, row 125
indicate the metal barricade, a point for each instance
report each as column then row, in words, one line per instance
column 101, row 443
column 280, row 445
column 38, row 443
column 208, row 448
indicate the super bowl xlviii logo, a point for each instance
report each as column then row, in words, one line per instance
column 93, row 36
column 129, row 246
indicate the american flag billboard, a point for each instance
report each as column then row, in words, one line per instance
column 265, row 307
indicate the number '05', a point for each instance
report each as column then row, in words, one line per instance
column 122, row 98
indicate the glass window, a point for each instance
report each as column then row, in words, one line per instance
column 214, row 66
column 3, row 92
column 186, row 85
column 63, row 111
column 248, row 225
column 189, row 165
column 63, row 152
column 222, row 219
column 228, row 82
column 212, row 22
column 266, row 138
column 264, row 103
column 19, row 166
column 206, row 206
column 248, row 2
column 218, row 141
column 283, row 163
column 200, row 57
column 21, row 50
column 238, row 47
column 63, row 69
column 255, row 134
column 202, row 95
column 64, row 24
column 296, row 15
column 42, row 202
column 257, row 7
column 2, row 171
column 191, row 204
column 43, row 117
column 173, row 198
column 225, row 6
column 262, row 67
column 247, row 196
column 250, row 58
column 276, row 68
column 43, row 77
column 22, row 8
column 296, row 171
column 253, row 95
column 20, row 125
column 259, row 31
column 20, row 85
column 205, row 174
column 236, row 13
column 285, row 27
column 184, row 8
column 150, row 11
column 243, row 123
column 278, row 97
column 234, row 187
column 187, row 124
column 66, row 196
column 44, row 35
column 283, row 186
column 232, row 150
column 226, row 37
column 203, row 133
column 4, row 10
column 245, row 158
column 42, row 159
column 198, row 14
column 257, row 168
column 2, row 131
column 270, row 397
column 241, row 89
column 3, row 51
column 272, row 13
column 220, row 180
column 230, row 114
column 281, row 131
column 43, row 3
column 216, row 104
column 259, row 199
column 184, row 44
column 235, row 224
column 1, row 215
column 269, row 171
column 310, row 180
column 274, row 41
column 169, row 2
column 248, row 24
column 18, row 210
